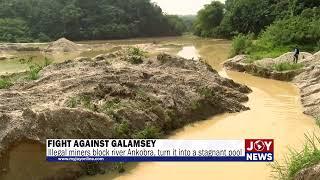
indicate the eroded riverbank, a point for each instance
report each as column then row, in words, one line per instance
column 276, row 112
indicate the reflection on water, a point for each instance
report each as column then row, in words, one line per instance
column 189, row 52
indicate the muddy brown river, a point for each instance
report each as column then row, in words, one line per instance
column 275, row 113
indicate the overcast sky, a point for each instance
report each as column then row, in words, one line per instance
column 182, row 7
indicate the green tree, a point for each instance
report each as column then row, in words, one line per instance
column 71, row 20
column 249, row 16
column 89, row 19
column 13, row 30
column 209, row 18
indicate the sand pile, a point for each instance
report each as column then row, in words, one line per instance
column 63, row 45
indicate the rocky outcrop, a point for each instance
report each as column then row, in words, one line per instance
column 93, row 98
column 309, row 85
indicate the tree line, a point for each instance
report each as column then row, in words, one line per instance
column 275, row 24
column 45, row 20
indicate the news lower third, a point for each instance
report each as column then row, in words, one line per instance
column 159, row 150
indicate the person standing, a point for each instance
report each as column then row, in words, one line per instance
column 296, row 54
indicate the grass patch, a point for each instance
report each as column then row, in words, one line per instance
column 109, row 106
column 84, row 101
column 286, row 66
column 258, row 52
column 296, row 161
column 35, row 68
column 5, row 83
column 47, row 62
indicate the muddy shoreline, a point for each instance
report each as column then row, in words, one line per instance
column 306, row 78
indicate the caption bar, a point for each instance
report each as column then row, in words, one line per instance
column 146, row 150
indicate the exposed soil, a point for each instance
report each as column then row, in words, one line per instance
column 109, row 97
column 311, row 173
column 306, row 78
column 63, row 45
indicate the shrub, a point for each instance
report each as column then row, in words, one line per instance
column 241, row 44
column 121, row 130
column 72, row 102
column 150, row 132
column 286, row 66
column 136, row 55
column 119, row 166
column 292, row 31
column 5, row 83
column 136, row 59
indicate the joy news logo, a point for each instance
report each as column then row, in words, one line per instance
column 259, row 149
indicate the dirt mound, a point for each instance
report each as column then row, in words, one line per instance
column 111, row 98
column 309, row 84
column 63, row 45
column 263, row 68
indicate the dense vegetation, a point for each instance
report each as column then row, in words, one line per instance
column 43, row 20
column 277, row 26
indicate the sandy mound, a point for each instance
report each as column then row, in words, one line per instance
column 92, row 98
column 63, row 45
column 288, row 57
